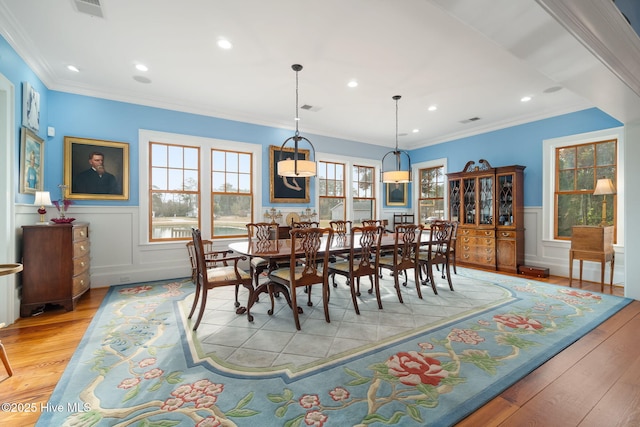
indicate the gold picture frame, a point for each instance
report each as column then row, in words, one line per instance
column 286, row 189
column 31, row 162
column 81, row 178
column 396, row 194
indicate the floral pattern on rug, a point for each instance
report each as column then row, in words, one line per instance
column 131, row 368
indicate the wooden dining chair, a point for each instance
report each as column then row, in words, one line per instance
column 452, row 247
column 310, row 245
column 363, row 260
column 226, row 273
column 341, row 231
column 264, row 234
column 437, row 253
column 404, row 256
column 212, row 259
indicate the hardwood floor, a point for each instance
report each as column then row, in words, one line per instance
column 594, row 382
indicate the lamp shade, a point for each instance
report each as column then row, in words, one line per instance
column 304, row 168
column 396, row 176
column 43, row 198
column 604, row 186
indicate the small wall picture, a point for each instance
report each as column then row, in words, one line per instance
column 31, row 162
column 30, row 107
column 396, row 194
column 95, row 169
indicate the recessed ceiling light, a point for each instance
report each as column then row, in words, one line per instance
column 416, row 130
column 224, row 44
column 352, row 83
column 142, row 67
column 432, row 108
column 525, row 99
column 73, row 68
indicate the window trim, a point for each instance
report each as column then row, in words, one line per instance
column 549, row 177
column 205, row 144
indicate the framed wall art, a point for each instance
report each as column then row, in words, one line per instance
column 286, row 189
column 95, row 169
column 30, row 107
column 396, row 194
column 31, row 162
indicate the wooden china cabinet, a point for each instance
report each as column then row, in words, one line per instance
column 488, row 203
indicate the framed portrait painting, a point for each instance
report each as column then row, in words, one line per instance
column 31, row 162
column 284, row 189
column 396, row 194
column 96, row 169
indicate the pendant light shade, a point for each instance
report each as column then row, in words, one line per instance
column 396, row 174
column 296, row 166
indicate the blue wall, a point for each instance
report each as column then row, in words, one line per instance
column 88, row 117
column 517, row 145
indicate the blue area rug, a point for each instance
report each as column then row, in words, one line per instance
column 139, row 363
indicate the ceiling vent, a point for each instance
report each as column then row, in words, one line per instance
column 310, row 108
column 472, row 119
column 89, row 7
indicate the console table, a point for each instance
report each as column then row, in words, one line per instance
column 592, row 243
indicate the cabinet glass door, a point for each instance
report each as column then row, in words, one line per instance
column 485, row 200
column 505, row 200
column 454, row 200
column 469, row 194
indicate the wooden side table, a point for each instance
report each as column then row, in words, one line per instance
column 6, row 269
column 592, row 243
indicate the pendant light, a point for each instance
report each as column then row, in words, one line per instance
column 396, row 175
column 296, row 167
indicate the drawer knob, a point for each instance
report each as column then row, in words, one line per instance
column 82, row 247
column 82, row 264
column 82, row 233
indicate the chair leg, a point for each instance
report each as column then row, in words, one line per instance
column 431, row 279
column 416, row 273
column 396, row 282
column 352, row 286
column 5, row 360
column 196, row 296
column 376, row 284
column 202, row 306
column 237, row 303
column 448, row 275
column 294, row 307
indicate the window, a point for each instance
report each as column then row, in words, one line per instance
column 432, row 185
column 331, row 192
column 578, row 168
column 174, row 191
column 194, row 181
column 231, row 193
column 363, row 193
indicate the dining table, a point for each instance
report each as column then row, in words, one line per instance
column 279, row 250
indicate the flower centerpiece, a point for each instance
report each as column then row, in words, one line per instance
column 62, row 205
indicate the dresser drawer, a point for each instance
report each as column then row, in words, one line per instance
column 81, row 283
column 506, row 234
column 80, row 233
column 80, row 265
column 80, row 248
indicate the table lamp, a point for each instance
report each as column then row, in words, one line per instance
column 43, row 198
column 604, row 187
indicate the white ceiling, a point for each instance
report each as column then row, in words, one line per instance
column 471, row 58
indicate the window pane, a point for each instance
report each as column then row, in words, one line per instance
column 231, row 184
column 191, row 180
column 159, row 178
column 230, row 214
column 232, row 162
column 244, row 183
column 606, row 153
column 217, row 160
column 244, row 161
column 567, row 180
column 331, row 209
column 362, row 209
column 175, row 157
column 191, row 158
column 158, row 155
column 566, row 158
column 585, row 156
column 176, row 181
column 585, row 179
column 173, row 215
column 218, row 181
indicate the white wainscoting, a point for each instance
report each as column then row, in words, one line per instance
column 118, row 257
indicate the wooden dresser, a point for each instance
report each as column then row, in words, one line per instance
column 56, row 263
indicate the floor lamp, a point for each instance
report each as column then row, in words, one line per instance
column 604, row 187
